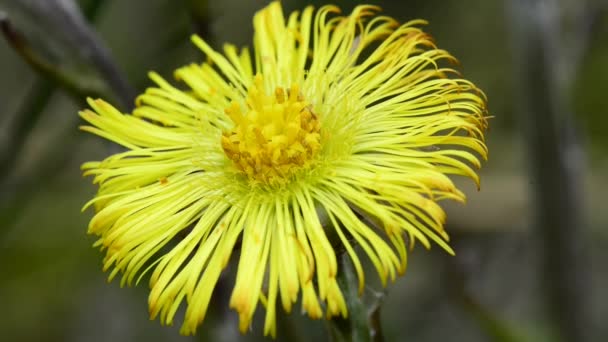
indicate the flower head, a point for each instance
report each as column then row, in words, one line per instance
column 338, row 131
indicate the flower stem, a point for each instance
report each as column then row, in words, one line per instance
column 363, row 322
column 556, row 159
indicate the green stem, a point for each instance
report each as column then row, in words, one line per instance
column 16, row 188
column 555, row 159
column 362, row 324
column 77, row 88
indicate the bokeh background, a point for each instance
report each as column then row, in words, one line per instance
column 532, row 244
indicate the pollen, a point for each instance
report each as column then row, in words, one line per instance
column 274, row 135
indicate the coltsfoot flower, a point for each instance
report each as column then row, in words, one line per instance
column 338, row 131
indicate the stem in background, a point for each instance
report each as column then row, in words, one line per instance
column 16, row 189
column 75, row 87
column 37, row 97
column 555, row 163
column 66, row 13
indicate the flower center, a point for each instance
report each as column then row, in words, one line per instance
column 274, row 136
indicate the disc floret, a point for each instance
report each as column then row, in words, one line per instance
column 274, row 136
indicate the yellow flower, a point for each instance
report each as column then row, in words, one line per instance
column 339, row 131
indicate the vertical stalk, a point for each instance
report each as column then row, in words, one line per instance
column 555, row 164
column 362, row 323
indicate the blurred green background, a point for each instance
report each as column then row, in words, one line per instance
column 501, row 286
